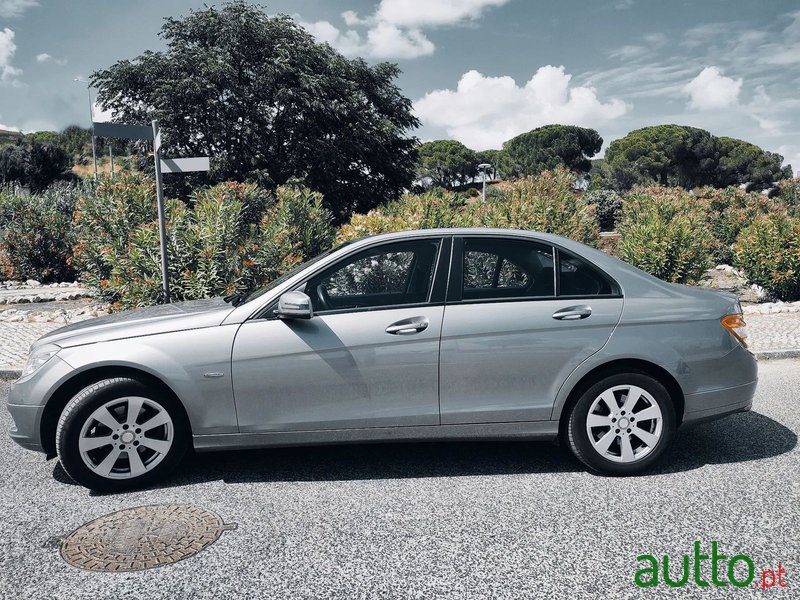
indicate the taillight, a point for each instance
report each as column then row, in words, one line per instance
column 736, row 326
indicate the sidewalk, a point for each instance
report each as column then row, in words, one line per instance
column 771, row 336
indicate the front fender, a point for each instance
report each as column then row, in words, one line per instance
column 181, row 360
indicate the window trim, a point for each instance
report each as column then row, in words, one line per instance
column 456, row 283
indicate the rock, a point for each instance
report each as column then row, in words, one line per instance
column 23, row 300
column 32, row 283
column 64, row 284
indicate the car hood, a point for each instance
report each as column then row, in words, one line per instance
column 164, row 318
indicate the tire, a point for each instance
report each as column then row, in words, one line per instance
column 104, row 447
column 625, row 439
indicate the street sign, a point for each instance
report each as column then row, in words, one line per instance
column 118, row 130
column 185, row 165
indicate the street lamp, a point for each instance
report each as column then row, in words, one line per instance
column 91, row 122
column 483, row 167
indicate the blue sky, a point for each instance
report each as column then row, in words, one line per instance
column 479, row 71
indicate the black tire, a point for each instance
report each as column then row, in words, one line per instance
column 80, row 408
column 577, row 437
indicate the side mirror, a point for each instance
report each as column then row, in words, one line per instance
column 294, row 305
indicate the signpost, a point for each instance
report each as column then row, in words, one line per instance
column 169, row 165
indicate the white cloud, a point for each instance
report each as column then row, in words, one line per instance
column 483, row 112
column 386, row 40
column 15, row 8
column 43, row 57
column 791, row 156
column 711, row 90
column 101, row 116
column 424, row 13
column 396, row 28
column 8, row 72
column 8, row 127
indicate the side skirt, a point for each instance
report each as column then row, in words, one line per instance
column 532, row 430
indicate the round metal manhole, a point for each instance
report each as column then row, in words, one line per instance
column 142, row 538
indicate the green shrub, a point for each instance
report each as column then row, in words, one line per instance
column 768, row 251
column 36, row 233
column 730, row 210
column 664, row 232
column 608, row 205
column 429, row 210
column 546, row 202
column 218, row 245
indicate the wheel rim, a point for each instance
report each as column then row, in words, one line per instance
column 126, row 437
column 624, row 423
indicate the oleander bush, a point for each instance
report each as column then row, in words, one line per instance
column 36, row 234
column 768, row 251
column 664, row 232
column 730, row 210
column 546, row 202
column 428, row 210
column 228, row 239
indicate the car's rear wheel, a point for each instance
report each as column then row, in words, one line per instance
column 621, row 424
column 119, row 433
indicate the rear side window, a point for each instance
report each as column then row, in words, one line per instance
column 579, row 278
column 495, row 268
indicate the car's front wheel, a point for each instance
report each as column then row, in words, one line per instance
column 119, row 433
column 621, row 424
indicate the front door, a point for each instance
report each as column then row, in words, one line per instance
column 368, row 358
column 513, row 331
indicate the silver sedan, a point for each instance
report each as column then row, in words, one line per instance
column 417, row 335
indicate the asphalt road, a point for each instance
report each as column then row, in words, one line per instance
column 458, row 520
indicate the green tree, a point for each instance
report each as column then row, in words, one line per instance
column 548, row 147
column 34, row 165
column 742, row 162
column 446, row 163
column 667, row 154
column 688, row 157
column 269, row 104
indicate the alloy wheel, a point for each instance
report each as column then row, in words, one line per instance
column 126, row 437
column 624, row 423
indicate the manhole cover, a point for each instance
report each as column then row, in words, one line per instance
column 142, row 538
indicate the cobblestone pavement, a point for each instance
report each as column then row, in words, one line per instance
column 770, row 336
column 16, row 339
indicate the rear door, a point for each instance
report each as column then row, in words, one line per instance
column 520, row 316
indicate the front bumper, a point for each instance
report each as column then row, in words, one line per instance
column 25, row 426
column 27, row 400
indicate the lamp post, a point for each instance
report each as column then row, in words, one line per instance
column 483, row 168
column 91, row 122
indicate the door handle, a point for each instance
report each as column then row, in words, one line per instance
column 573, row 313
column 408, row 326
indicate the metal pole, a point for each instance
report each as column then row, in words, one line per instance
column 91, row 124
column 162, row 225
column 111, row 157
column 484, row 186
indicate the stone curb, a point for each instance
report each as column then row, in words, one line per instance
column 763, row 355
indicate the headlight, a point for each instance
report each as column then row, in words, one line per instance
column 38, row 358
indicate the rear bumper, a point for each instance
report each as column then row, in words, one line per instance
column 706, row 406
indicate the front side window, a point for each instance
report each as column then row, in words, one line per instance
column 495, row 268
column 389, row 275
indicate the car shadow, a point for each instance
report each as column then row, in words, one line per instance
column 738, row 438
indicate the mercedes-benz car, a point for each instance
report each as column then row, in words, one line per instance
column 417, row 335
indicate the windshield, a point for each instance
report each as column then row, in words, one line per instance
column 286, row 276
